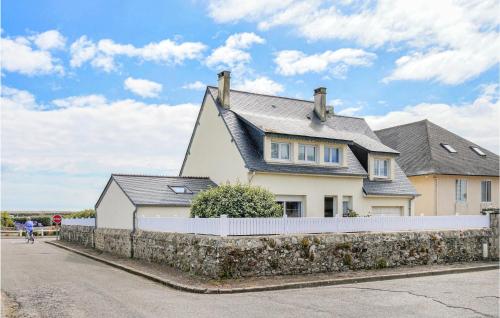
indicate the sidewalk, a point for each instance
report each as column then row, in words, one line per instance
column 183, row 281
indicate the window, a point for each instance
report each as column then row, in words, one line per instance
column 346, row 205
column 381, row 168
column 291, row 208
column 461, row 190
column 307, row 153
column 449, row 148
column 478, row 151
column 330, row 206
column 333, row 154
column 485, row 191
column 180, row 189
column 280, row 151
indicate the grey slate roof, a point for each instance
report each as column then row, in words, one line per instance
column 243, row 118
column 273, row 114
column 422, row 153
column 154, row 190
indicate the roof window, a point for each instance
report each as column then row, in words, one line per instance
column 180, row 189
column 449, row 148
column 478, row 151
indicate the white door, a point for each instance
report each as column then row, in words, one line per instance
column 387, row 210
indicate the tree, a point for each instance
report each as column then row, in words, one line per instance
column 7, row 220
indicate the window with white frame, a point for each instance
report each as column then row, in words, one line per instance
column 478, row 151
column 307, row 153
column 280, row 150
column 180, row 189
column 381, row 168
column 449, row 148
column 333, row 155
column 461, row 190
column 486, row 191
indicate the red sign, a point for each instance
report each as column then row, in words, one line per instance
column 57, row 219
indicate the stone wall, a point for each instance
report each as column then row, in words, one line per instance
column 301, row 254
column 232, row 257
column 113, row 241
column 83, row 235
column 494, row 240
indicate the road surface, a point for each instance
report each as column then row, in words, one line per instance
column 46, row 281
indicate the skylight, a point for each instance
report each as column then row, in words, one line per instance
column 478, row 151
column 449, row 148
column 180, row 189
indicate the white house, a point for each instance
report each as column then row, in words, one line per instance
column 317, row 163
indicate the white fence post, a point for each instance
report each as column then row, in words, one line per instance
column 223, row 225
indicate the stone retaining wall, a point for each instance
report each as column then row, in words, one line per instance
column 217, row 257
column 83, row 235
column 113, row 241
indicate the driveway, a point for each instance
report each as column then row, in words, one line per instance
column 45, row 281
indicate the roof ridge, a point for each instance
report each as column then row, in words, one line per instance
column 407, row 124
column 284, row 97
column 155, row 176
column 428, row 137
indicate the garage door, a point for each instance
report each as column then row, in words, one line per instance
column 387, row 210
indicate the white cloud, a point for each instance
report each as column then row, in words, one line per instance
column 261, row 85
column 18, row 55
column 476, row 121
column 80, row 101
column 296, row 62
column 449, row 41
column 68, row 152
column 82, row 50
column 103, row 53
column 350, row 111
column 49, row 40
column 143, row 87
column 233, row 53
column 197, row 86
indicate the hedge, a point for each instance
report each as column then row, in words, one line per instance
column 88, row 213
column 236, row 201
column 45, row 220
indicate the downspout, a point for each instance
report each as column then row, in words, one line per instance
column 436, row 193
column 134, row 220
column 252, row 174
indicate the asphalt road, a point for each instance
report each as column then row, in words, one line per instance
column 47, row 281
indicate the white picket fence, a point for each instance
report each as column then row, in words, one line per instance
column 82, row 221
column 225, row 226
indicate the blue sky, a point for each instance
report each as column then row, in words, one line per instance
column 94, row 87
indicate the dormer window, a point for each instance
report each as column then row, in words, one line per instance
column 478, row 151
column 449, row 148
column 280, row 151
column 333, row 155
column 180, row 189
column 307, row 153
column 381, row 168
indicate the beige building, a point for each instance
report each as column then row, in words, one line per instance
column 451, row 174
column 318, row 164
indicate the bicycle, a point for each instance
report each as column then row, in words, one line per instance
column 30, row 237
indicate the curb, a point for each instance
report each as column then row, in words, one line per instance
column 294, row 285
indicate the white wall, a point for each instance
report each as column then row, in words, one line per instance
column 115, row 211
column 169, row 211
column 212, row 153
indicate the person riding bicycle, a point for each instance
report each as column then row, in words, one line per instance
column 28, row 226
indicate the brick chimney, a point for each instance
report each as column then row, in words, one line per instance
column 320, row 103
column 224, row 86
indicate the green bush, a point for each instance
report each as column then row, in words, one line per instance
column 7, row 220
column 88, row 213
column 44, row 219
column 235, row 201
